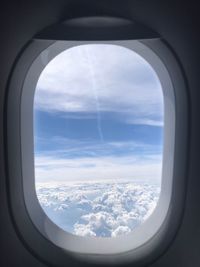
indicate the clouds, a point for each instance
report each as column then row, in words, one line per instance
column 73, row 148
column 145, row 168
column 150, row 122
column 95, row 107
column 101, row 209
column 100, row 78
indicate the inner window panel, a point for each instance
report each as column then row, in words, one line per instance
column 98, row 140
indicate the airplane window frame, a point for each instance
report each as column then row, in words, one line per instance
column 93, row 245
column 22, row 189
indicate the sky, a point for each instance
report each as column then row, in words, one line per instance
column 98, row 115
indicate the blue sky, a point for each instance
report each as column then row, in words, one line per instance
column 98, row 115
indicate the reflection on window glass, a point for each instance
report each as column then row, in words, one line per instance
column 98, row 138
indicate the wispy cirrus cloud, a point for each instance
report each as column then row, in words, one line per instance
column 100, row 78
column 72, row 148
column 146, row 121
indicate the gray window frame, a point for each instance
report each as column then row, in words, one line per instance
column 152, row 237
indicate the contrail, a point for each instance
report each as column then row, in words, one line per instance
column 94, row 87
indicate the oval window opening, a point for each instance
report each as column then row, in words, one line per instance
column 98, row 140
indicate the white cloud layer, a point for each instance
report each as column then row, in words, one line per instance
column 105, row 209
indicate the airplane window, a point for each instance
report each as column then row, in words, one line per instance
column 98, row 140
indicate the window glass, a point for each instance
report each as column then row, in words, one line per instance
column 98, row 140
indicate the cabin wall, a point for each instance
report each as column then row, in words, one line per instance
column 177, row 23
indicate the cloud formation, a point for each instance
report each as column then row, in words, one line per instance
column 100, row 209
column 106, row 157
column 100, row 78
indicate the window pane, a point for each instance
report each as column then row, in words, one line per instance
column 98, row 138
